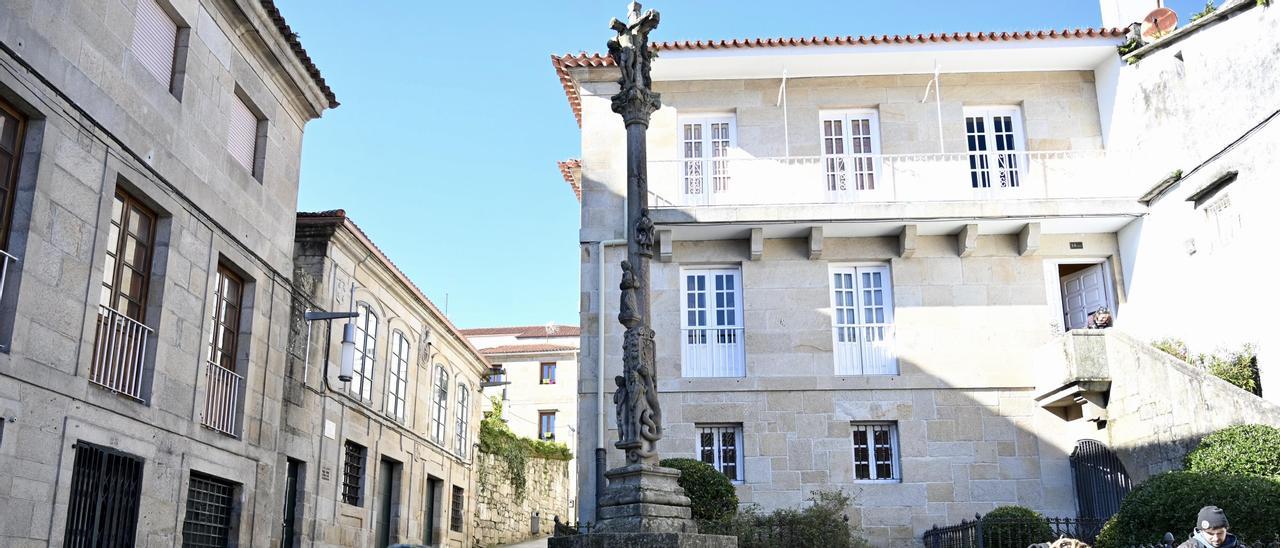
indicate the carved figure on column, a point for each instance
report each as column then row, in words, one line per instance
column 635, row 100
column 644, row 234
column 628, row 311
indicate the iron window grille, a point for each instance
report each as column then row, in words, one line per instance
column 353, row 474
column 720, row 446
column 209, row 503
column 102, row 511
column 875, row 451
column 455, row 514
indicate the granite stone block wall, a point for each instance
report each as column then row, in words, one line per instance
column 501, row 517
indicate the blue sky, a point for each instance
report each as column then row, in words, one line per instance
column 452, row 119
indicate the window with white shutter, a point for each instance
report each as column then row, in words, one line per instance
column 242, row 136
column 704, row 149
column 862, row 320
column 851, row 154
column 712, row 344
column 997, row 151
column 155, row 40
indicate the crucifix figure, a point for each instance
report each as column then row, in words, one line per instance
column 639, row 413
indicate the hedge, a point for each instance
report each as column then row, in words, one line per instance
column 1014, row 527
column 709, row 491
column 1244, row 449
column 1169, row 502
column 821, row 524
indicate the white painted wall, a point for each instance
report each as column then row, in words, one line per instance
column 1183, row 113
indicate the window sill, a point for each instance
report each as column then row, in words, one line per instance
column 877, row 481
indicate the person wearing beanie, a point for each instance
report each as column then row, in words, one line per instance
column 1211, row 531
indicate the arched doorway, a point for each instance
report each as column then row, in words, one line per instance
column 1101, row 480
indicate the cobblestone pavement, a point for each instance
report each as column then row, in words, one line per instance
column 531, row 543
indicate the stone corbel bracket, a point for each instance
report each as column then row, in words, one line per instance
column 815, row 243
column 907, row 242
column 664, row 246
column 967, row 240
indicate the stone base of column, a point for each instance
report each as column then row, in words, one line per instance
column 644, row 506
column 643, row 540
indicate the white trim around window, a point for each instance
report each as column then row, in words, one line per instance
column 996, row 145
column 701, row 139
column 720, row 445
column 850, row 141
column 711, row 328
column 876, row 458
column 862, row 328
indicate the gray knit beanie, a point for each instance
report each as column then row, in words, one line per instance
column 1211, row 517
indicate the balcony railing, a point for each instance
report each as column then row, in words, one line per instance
column 875, row 178
column 222, row 397
column 865, row 349
column 712, row 352
column 5, row 259
column 119, row 352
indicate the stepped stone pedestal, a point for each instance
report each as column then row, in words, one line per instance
column 644, row 507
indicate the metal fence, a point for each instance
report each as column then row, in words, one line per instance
column 998, row 532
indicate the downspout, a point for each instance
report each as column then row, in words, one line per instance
column 600, row 284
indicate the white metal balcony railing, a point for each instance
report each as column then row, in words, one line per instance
column 222, row 397
column 119, row 352
column 5, row 259
column 712, row 352
column 865, row 349
column 935, row 177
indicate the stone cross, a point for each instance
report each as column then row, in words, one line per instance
column 636, row 399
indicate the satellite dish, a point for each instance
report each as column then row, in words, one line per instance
column 1158, row 23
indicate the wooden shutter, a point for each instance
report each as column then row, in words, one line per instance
column 242, row 133
column 155, row 37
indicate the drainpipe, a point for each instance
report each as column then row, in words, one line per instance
column 600, row 407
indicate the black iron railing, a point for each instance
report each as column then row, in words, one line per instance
column 997, row 532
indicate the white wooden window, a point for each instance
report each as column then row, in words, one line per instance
column 862, row 320
column 997, row 148
column 711, row 312
column 155, row 40
column 366, row 353
column 442, row 403
column 242, row 134
column 850, row 153
column 875, row 451
column 398, row 376
column 720, row 445
column 464, row 410
column 704, row 148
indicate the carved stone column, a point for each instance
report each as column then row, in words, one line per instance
column 643, row 505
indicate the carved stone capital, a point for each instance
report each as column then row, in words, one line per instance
column 636, row 104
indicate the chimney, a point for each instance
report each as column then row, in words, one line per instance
column 1122, row 13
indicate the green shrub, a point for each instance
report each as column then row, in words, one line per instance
column 1014, row 527
column 1173, row 347
column 1239, row 368
column 821, row 524
column 709, row 491
column 1208, row 8
column 1252, row 449
column 1169, row 502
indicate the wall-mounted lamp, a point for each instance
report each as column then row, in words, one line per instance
column 348, row 353
column 348, row 356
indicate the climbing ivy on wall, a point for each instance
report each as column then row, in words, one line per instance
column 497, row 439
